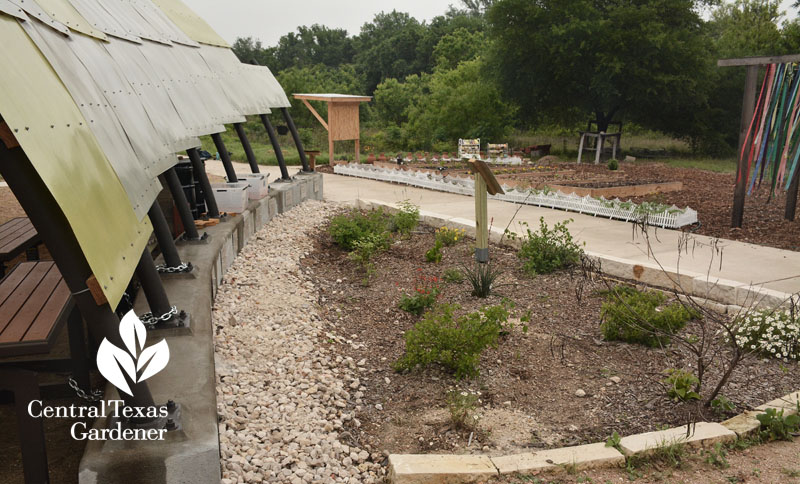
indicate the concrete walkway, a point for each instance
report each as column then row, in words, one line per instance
column 746, row 264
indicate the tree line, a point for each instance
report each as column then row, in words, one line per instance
column 493, row 66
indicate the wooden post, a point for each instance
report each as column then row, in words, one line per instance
column 481, row 220
column 742, row 173
column 791, row 196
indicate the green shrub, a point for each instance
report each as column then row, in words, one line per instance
column 346, row 229
column 449, row 237
column 776, row 426
column 406, row 219
column 548, row 250
column 640, row 317
column 366, row 247
column 681, row 385
column 453, row 276
column 613, row 164
column 426, row 292
column 770, row 333
column 454, row 343
column 482, row 277
column 435, row 254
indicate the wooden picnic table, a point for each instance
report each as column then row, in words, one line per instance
column 17, row 236
column 35, row 303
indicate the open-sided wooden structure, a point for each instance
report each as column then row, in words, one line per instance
column 753, row 65
column 343, row 120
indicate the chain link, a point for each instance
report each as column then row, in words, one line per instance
column 92, row 396
column 150, row 320
column 183, row 267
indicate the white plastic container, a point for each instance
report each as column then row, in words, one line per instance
column 231, row 197
column 258, row 184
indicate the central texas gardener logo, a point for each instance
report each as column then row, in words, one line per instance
column 134, row 361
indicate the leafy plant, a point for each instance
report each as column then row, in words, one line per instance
column 482, row 277
column 366, row 247
column 641, row 317
column 614, row 441
column 777, row 426
column 723, row 404
column 449, row 237
column 455, row 343
column 775, row 334
column 453, row 276
column 548, row 250
column 462, row 408
column 681, row 385
column 348, row 228
column 435, row 254
column 718, row 456
column 426, row 292
column 406, row 219
column 613, row 164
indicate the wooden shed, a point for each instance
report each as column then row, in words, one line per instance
column 343, row 118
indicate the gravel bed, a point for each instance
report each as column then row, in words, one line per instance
column 285, row 402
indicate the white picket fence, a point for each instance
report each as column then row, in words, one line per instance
column 672, row 217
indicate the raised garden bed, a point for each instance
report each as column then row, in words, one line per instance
column 529, row 385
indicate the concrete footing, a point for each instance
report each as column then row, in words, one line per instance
column 191, row 454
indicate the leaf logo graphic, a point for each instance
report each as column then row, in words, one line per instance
column 135, row 361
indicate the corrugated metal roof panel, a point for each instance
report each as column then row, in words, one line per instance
column 35, row 11
column 132, row 21
column 64, row 12
column 190, row 23
column 101, row 19
column 12, row 10
column 66, row 155
column 160, row 22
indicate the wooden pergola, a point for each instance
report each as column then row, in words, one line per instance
column 753, row 64
column 343, row 119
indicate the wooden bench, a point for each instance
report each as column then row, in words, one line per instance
column 35, row 304
column 18, row 236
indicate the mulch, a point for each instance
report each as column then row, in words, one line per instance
column 528, row 383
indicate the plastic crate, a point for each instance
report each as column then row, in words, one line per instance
column 258, row 184
column 231, row 197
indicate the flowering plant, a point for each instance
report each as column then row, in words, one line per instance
column 426, row 292
column 449, row 237
column 772, row 333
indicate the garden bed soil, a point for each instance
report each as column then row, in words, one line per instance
column 527, row 384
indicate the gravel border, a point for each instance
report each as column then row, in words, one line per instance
column 284, row 401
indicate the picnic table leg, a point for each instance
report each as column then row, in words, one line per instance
column 199, row 170
column 25, row 386
column 580, row 148
column 599, row 146
column 614, row 142
column 182, row 204
column 77, row 350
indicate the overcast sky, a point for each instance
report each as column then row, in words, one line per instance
column 268, row 20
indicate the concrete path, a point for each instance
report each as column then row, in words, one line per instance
column 744, row 263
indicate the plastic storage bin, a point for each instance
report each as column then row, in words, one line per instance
column 258, row 184
column 231, row 197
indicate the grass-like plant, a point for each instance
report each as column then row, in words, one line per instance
column 482, row 277
column 641, row 317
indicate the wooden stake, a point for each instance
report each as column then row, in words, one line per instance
column 743, row 174
column 481, row 220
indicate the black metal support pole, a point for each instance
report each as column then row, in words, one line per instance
column 57, row 235
column 226, row 158
column 200, row 172
column 248, row 150
column 791, row 196
column 151, row 285
column 174, row 185
column 165, row 242
column 273, row 138
column 290, row 122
